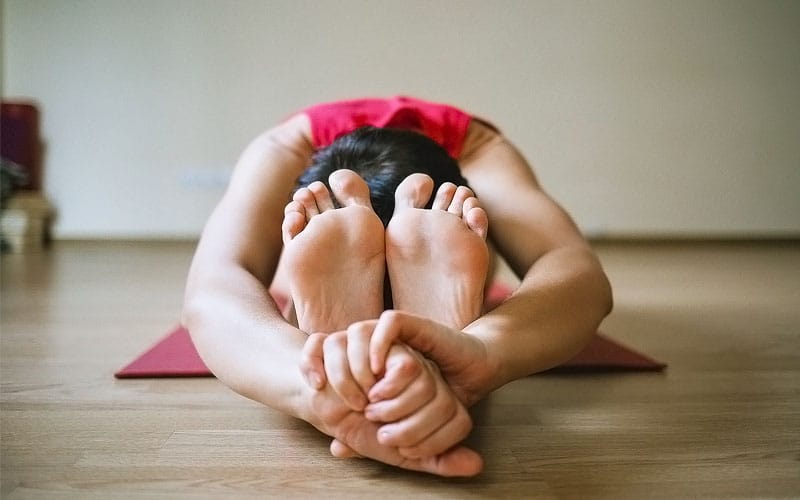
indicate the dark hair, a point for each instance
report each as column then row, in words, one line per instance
column 383, row 157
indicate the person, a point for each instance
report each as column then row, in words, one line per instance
column 386, row 346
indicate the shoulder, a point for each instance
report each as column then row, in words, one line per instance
column 272, row 160
column 294, row 134
column 480, row 137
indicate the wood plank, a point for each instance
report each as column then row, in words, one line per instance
column 722, row 420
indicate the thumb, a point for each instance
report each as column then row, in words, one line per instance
column 312, row 365
column 459, row 461
column 341, row 450
column 456, row 462
column 450, row 349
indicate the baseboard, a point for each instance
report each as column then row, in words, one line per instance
column 662, row 239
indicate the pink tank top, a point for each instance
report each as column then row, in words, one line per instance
column 442, row 123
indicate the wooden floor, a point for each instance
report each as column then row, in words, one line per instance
column 722, row 421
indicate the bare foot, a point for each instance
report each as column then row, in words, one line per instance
column 335, row 257
column 437, row 259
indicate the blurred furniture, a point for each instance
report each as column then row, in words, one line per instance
column 26, row 213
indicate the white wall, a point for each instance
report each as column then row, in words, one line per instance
column 642, row 118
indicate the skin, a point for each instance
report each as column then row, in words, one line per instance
column 423, row 416
column 251, row 347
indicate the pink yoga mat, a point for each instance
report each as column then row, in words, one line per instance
column 175, row 356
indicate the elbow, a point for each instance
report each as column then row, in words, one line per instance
column 600, row 297
column 195, row 307
column 200, row 310
column 190, row 309
column 190, row 313
column 192, row 319
column 605, row 294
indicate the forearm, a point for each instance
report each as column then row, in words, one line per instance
column 558, row 306
column 243, row 339
column 564, row 294
column 234, row 322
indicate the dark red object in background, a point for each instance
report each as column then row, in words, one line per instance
column 20, row 143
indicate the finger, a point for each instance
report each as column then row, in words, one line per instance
column 443, row 438
column 451, row 350
column 358, row 335
column 338, row 372
column 312, row 365
column 456, row 462
column 420, row 392
column 341, row 450
column 403, row 366
column 359, row 435
column 417, row 427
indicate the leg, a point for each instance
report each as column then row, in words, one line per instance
column 335, row 257
column 437, row 259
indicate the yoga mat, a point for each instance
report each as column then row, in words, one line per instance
column 175, row 356
column 172, row 356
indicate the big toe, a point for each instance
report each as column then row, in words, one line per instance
column 349, row 188
column 414, row 191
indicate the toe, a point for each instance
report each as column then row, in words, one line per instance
column 477, row 220
column 475, row 217
column 444, row 196
column 414, row 191
column 457, row 203
column 349, row 188
column 321, row 195
column 305, row 197
column 294, row 220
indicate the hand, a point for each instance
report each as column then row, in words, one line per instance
column 355, row 435
column 462, row 358
column 425, row 416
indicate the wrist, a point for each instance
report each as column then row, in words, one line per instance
column 308, row 406
column 484, row 369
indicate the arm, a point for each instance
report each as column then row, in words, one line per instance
column 235, row 324
column 563, row 296
column 422, row 415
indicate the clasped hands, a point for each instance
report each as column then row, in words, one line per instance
column 396, row 390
